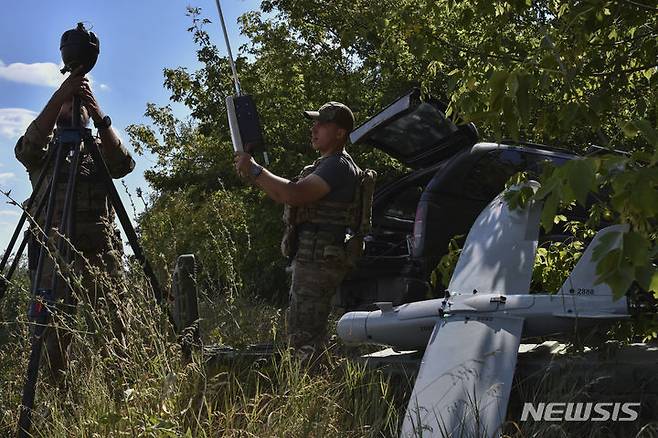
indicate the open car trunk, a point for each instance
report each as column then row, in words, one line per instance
column 415, row 132
column 418, row 134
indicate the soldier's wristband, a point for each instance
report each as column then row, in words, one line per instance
column 104, row 123
column 255, row 171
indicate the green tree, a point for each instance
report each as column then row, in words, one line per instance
column 567, row 73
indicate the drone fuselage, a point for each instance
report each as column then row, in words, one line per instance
column 410, row 326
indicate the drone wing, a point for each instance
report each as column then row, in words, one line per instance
column 499, row 251
column 464, row 382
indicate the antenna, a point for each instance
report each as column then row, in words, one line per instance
column 238, row 90
column 243, row 120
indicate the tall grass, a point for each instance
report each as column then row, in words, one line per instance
column 141, row 386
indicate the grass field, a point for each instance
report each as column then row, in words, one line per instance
column 143, row 386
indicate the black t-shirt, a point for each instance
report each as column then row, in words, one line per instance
column 340, row 172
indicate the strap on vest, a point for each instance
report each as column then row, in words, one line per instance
column 328, row 228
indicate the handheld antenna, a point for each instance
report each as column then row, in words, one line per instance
column 243, row 120
column 238, row 90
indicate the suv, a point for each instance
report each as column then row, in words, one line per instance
column 453, row 178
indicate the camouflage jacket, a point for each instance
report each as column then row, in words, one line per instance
column 93, row 213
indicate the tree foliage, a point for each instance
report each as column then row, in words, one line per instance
column 567, row 73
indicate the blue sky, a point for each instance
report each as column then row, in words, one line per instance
column 138, row 39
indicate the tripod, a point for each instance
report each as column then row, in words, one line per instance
column 65, row 146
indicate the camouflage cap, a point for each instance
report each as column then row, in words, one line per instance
column 333, row 112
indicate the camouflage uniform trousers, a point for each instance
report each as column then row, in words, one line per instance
column 100, row 271
column 317, row 270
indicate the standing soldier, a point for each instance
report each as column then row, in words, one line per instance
column 96, row 236
column 323, row 209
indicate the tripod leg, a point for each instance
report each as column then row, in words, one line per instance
column 5, row 279
column 39, row 310
column 125, row 222
column 28, row 205
column 50, row 211
column 67, row 220
column 12, row 242
column 29, row 390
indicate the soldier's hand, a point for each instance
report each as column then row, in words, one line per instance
column 71, row 85
column 90, row 102
column 243, row 161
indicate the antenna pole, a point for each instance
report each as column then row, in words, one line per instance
column 238, row 89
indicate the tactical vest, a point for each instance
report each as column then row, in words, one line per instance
column 91, row 199
column 93, row 213
column 323, row 230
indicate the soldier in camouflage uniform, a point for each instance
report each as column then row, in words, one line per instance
column 321, row 205
column 96, row 235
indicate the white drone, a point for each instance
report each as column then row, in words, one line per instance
column 471, row 337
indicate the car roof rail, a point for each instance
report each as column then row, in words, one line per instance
column 510, row 142
column 594, row 149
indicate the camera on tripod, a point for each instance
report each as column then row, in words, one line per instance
column 79, row 47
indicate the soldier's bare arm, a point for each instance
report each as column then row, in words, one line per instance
column 45, row 121
column 309, row 189
column 116, row 156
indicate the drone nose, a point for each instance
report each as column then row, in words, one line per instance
column 351, row 327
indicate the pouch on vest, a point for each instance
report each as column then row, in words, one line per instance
column 289, row 240
column 322, row 247
column 354, row 244
column 291, row 217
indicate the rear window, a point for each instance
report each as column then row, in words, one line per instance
column 489, row 174
column 415, row 132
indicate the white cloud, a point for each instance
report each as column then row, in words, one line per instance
column 13, row 121
column 104, row 87
column 6, row 176
column 46, row 74
column 10, row 213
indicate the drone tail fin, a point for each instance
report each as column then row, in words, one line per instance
column 583, row 278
